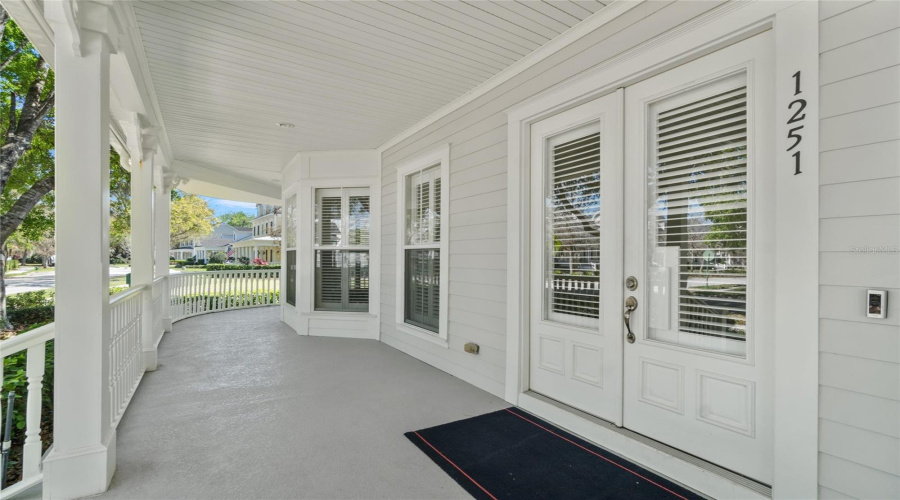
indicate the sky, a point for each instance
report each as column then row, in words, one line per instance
column 228, row 206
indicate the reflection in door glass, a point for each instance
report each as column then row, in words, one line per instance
column 572, row 230
column 697, row 223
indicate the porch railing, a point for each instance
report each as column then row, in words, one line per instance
column 126, row 364
column 34, row 343
column 187, row 295
column 192, row 294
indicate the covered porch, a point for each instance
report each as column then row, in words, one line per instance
column 240, row 406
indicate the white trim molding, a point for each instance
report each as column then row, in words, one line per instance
column 439, row 157
column 795, row 25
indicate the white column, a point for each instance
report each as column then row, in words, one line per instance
column 142, row 241
column 83, row 458
column 162, row 208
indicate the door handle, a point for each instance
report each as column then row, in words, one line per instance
column 630, row 305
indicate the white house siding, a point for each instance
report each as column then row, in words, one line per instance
column 477, row 211
column 859, row 372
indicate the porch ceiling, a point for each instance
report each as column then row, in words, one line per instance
column 349, row 75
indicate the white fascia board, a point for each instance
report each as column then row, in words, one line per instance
column 573, row 34
column 217, row 184
column 29, row 15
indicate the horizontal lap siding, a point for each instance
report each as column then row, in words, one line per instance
column 859, row 363
column 478, row 197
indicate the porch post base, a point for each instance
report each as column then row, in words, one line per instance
column 150, row 362
column 79, row 473
column 167, row 325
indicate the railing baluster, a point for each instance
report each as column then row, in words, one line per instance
column 34, row 371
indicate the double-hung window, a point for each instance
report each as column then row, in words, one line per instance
column 422, row 245
column 341, row 249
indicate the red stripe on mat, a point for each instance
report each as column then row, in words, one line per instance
column 456, row 466
column 592, row 453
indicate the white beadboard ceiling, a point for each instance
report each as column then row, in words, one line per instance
column 350, row 75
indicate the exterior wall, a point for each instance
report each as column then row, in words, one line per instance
column 307, row 172
column 477, row 210
column 859, row 364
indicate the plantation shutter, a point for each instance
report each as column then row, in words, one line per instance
column 342, row 254
column 699, row 209
column 422, row 288
column 422, row 249
column 572, row 234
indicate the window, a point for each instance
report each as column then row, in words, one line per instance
column 342, row 249
column 422, row 266
column 290, row 241
column 572, row 229
column 698, row 216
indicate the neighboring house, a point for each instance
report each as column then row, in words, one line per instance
column 218, row 241
column 265, row 242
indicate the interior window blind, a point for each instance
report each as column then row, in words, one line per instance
column 422, row 248
column 699, row 209
column 422, row 288
column 341, row 249
column 572, row 234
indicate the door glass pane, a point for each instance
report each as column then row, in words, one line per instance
column 572, row 229
column 697, row 225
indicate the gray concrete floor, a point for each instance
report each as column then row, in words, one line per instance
column 243, row 407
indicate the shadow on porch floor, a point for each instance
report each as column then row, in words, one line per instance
column 242, row 407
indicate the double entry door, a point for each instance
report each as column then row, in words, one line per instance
column 651, row 286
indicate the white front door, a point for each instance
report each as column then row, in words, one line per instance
column 686, row 215
column 576, row 269
column 699, row 239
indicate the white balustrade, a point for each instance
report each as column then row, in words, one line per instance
column 126, row 366
column 191, row 294
column 34, row 343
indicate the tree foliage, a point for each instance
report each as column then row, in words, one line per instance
column 26, row 117
column 191, row 218
column 236, row 219
column 119, row 207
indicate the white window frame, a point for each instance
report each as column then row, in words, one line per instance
column 438, row 157
column 344, row 246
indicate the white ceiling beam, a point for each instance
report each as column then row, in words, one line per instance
column 207, row 181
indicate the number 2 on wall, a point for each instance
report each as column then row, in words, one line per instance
column 797, row 117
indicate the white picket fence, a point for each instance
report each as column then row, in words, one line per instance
column 186, row 295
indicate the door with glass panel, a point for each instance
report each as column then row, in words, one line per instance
column 698, row 242
column 576, row 257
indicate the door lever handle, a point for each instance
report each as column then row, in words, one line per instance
column 630, row 306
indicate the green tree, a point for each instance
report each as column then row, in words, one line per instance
column 26, row 99
column 236, row 219
column 191, row 218
column 119, row 208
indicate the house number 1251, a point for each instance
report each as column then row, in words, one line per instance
column 797, row 106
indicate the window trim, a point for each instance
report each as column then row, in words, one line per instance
column 344, row 246
column 439, row 157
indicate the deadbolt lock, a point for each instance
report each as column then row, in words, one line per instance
column 631, row 283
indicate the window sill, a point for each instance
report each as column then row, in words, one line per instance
column 423, row 334
column 360, row 315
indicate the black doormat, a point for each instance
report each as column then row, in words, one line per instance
column 510, row 454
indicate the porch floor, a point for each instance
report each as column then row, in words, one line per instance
column 243, row 407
